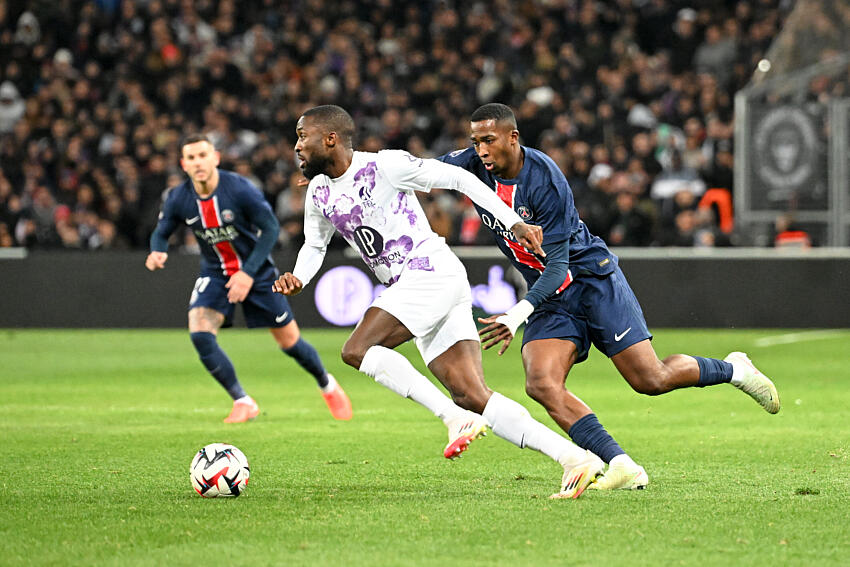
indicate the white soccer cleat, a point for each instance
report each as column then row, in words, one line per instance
column 464, row 430
column 622, row 476
column 579, row 476
column 753, row 382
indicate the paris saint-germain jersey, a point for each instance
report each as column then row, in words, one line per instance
column 540, row 195
column 224, row 224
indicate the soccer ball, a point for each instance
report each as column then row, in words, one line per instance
column 219, row 469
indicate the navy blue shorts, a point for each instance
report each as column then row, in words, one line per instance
column 262, row 307
column 602, row 311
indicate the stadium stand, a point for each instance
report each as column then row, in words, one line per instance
column 95, row 96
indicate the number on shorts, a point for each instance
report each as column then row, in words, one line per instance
column 200, row 285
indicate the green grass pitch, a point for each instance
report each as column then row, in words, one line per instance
column 98, row 429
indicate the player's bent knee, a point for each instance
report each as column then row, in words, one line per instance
column 541, row 390
column 352, row 355
column 472, row 400
column 649, row 386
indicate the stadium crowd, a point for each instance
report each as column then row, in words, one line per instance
column 632, row 99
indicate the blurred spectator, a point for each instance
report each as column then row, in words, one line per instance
column 12, row 106
column 678, row 177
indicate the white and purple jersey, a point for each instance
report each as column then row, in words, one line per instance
column 373, row 207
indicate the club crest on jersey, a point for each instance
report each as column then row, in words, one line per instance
column 227, row 215
column 364, row 180
column 524, row 212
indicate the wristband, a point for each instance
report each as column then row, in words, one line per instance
column 516, row 315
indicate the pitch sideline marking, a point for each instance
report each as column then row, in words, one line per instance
column 802, row 336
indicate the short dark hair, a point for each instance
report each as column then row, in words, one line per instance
column 194, row 138
column 494, row 111
column 334, row 119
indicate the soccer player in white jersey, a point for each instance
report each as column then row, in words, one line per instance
column 368, row 198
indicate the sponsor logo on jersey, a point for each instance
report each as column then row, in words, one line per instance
column 216, row 234
column 496, row 226
column 369, row 241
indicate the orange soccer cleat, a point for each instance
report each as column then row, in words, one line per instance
column 337, row 401
column 243, row 411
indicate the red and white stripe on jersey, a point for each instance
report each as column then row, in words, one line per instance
column 506, row 194
column 227, row 254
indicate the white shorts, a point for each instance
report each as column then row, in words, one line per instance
column 435, row 306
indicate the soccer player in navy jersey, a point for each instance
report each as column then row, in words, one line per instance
column 577, row 296
column 236, row 230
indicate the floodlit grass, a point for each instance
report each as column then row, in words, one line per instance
column 98, row 429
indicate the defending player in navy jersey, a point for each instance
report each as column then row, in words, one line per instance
column 577, row 296
column 236, row 231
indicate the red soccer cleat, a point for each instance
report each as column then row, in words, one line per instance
column 338, row 402
column 243, row 411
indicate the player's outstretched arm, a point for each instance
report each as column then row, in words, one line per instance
column 287, row 284
column 156, row 260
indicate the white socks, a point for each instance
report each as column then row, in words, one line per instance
column 331, row 384
column 508, row 419
column 394, row 371
column 512, row 422
column 624, row 459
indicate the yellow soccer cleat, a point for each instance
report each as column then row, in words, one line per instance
column 622, row 476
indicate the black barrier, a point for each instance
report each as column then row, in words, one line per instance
column 113, row 289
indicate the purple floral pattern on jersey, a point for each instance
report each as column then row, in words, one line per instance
column 397, row 250
column 364, row 180
column 400, row 207
column 321, row 195
column 423, row 264
column 346, row 223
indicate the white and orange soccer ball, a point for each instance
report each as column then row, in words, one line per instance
column 219, row 469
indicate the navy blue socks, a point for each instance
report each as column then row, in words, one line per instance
column 713, row 371
column 589, row 434
column 217, row 363
column 305, row 355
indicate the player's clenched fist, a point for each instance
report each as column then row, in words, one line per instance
column 287, row 284
column 156, row 260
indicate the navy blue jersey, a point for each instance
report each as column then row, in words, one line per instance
column 235, row 226
column 540, row 195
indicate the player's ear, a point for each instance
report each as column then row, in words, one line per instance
column 331, row 139
column 217, row 158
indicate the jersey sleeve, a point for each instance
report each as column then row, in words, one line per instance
column 404, row 171
column 425, row 174
column 318, row 230
column 258, row 211
column 167, row 223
